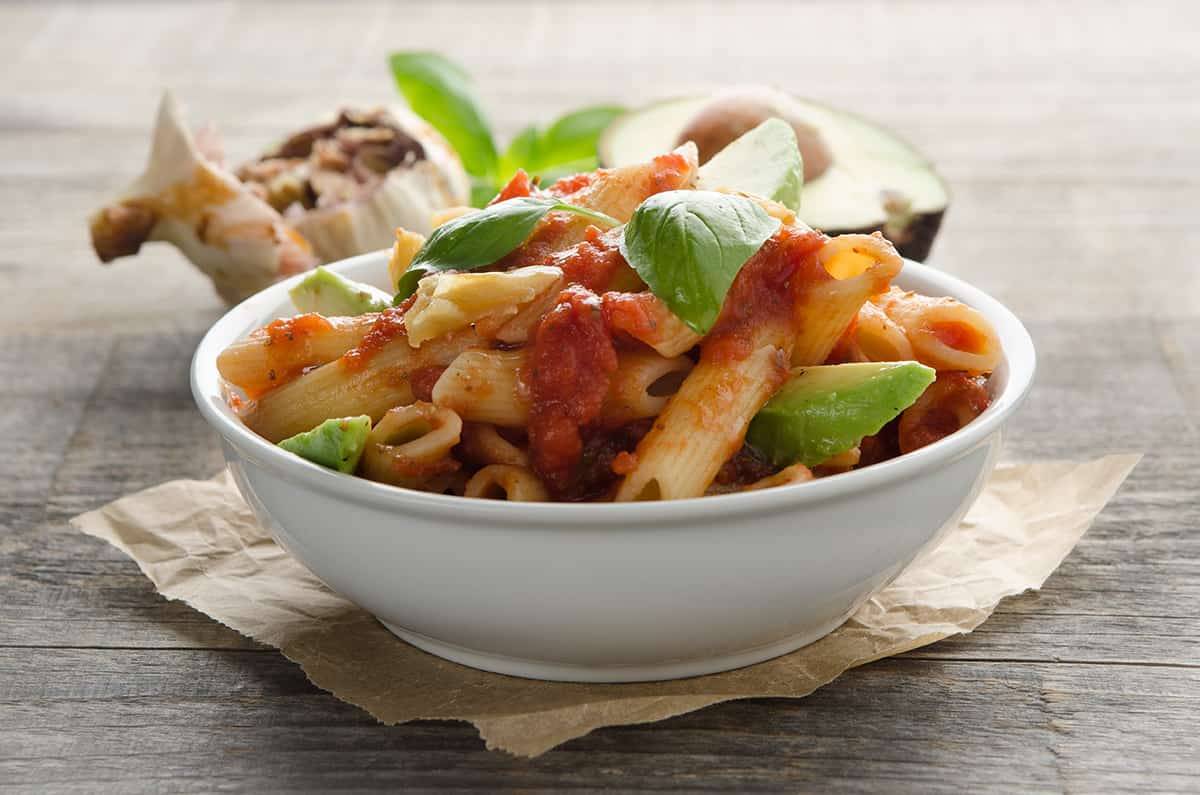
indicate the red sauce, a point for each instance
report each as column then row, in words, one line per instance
column 542, row 245
column 388, row 326
column 287, row 330
column 422, row 381
column 950, row 403
column 518, row 186
column 570, row 364
column 634, row 314
column 624, row 463
column 287, row 348
column 668, row 172
column 574, row 183
column 765, row 291
column 592, row 262
column 959, row 336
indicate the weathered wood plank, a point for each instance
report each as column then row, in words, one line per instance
column 904, row 722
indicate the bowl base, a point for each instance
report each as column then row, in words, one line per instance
column 569, row 672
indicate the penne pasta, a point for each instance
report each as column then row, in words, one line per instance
column 856, row 268
column 411, row 447
column 447, row 302
column 645, row 318
column 506, row 482
column 945, row 334
column 642, row 385
column 878, row 338
column 351, row 386
column 796, row 473
column 482, row 444
column 485, row 386
column 281, row 351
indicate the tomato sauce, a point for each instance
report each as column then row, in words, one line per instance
column 574, row 183
column 591, row 263
column 287, row 349
column 634, row 314
column 668, row 172
column 765, row 291
column 287, row 330
column 517, row 187
column 542, row 245
column 570, row 365
column 387, row 327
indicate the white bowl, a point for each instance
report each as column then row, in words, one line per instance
column 613, row 592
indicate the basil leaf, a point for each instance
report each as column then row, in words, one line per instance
column 567, row 147
column 479, row 239
column 688, row 246
column 522, row 152
column 573, row 137
column 440, row 92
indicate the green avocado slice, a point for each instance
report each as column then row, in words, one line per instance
column 822, row 411
column 336, row 444
column 765, row 162
column 332, row 294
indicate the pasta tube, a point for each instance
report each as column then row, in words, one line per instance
column 505, row 482
column 366, row 380
column 411, row 447
column 273, row 355
column 485, row 386
column 945, row 334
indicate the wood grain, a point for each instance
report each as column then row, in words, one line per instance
column 1068, row 136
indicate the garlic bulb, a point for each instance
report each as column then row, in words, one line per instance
column 348, row 184
column 184, row 198
column 325, row 193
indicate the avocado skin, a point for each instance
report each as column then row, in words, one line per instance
column 335, row 444
column 913, row 242
column 826, row 410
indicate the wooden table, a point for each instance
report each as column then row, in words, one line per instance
column 1069, row 135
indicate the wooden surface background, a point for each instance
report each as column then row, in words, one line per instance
column 1069, row 134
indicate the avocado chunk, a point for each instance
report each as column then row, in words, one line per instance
column 873, row 180
column 336, row 444
column 822, row 411
column 765, row 162
column 329, row 293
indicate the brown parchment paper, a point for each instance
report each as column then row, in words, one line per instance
column 198, row 542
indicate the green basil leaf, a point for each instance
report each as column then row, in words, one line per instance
column 567, row 147
column 479, row 239
column 573, row 137
column 522, row 152
column 688, row 246
column 440, row 92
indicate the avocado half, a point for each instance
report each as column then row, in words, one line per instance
column 875, row 181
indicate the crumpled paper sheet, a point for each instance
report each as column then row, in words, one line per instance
column 198, row 542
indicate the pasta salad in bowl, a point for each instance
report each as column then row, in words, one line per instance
column 638, row 424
